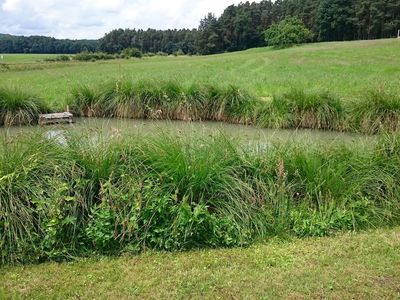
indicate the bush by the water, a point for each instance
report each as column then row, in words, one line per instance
column 93, row 194
column 18, row 107
column 290, row 31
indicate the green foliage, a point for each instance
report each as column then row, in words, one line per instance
column 298, row 109
column 161, row 53
column 18, row 107
column 149, row 54
column 239, row 27
column 163, row 100
column 59, row 58
column 131, row 52
column 174, row 193
column 178, row 53
column 92, row 56
column 290, row 31
column 377, row 111
column 4, row 67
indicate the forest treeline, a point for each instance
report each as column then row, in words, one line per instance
column 241, row 27
column 43, row 44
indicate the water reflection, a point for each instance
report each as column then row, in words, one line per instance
column 108, row 128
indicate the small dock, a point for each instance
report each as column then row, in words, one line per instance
column 56, row 118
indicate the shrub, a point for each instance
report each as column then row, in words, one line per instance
column 290, row 31
column 160, row 53
column 93, row 56
column 178, row 53
column 149, row 54
column 59, row 58
column 131, row 52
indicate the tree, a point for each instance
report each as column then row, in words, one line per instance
column 335, row 20
column 209, row 38
column 289, row 32
column 240, row 27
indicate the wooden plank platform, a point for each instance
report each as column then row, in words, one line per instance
column 56, row 118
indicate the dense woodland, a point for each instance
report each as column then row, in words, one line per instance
column 239, row 27
column 43, row 44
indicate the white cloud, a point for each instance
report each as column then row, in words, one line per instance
column 93, row 18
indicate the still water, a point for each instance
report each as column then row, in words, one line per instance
column 121, row 127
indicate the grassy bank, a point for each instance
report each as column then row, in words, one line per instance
column 363, row 266
column 343, row 68
column 84, row 195
column 374, row 111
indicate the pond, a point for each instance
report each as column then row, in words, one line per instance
column 120, row 127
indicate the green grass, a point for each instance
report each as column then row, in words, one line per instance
column 343, row 68
column 87, row 193
column 376, row 112
column 18, row 107
column 24, row 58
column 349, row 266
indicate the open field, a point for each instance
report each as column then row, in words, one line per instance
column 24, row 58
column 66, row 194
column 343, row 68
column 349, row 266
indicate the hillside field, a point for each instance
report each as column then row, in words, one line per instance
column 343, row 68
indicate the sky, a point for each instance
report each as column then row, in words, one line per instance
column 78, row 19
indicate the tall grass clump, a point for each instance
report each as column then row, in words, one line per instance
column 93, row 193
column 18, row 107
column 299, row 109
column 164, row 100
column 378, row 111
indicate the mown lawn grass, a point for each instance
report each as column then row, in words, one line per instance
column 343, row 68
column 350, row 266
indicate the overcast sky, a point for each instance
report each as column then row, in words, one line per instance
column 91, row 19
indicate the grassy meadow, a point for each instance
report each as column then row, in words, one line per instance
column 15, row 59
column 78, row 195
column 346, row 69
